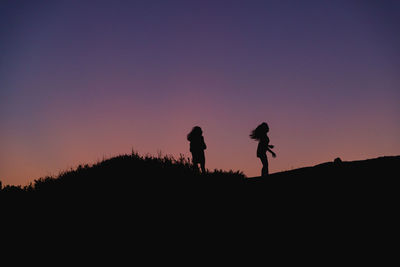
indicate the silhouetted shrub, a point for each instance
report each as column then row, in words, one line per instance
column 150, row 186
column 128, row 175
column 337, row 161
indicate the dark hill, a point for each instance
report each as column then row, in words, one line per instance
column 144, row 199
column 137, row 175
column 383, row 167
column 351, row 179
column 161, row 182
column 127, row 175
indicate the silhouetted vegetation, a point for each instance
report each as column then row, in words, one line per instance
column 166, row 181
column 126, row 174
column 144, row 199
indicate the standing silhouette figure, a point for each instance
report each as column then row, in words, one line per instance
column 197, row 147
column 260, row 134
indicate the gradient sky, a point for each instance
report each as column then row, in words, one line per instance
column 83, row 80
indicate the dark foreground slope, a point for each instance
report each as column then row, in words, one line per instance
column 376, row 169
column 366, row 180
column 147, row 180
column 160, row 206
column 126, row 176
column 130, row 175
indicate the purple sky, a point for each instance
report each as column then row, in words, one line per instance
column 83, row 80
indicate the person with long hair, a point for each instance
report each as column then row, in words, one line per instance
column 197, row 147
column 260, row 134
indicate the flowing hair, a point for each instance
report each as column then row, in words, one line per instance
column 195, row 132
column 260, row 131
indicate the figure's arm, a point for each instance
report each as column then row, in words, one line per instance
column 270, row 151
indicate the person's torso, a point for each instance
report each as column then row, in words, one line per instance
column 262, row 146
column 197, row 144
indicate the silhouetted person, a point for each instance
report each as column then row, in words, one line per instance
column 260, row 134
column 197, row 147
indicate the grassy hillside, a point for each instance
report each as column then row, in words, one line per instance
column 160, row 197
column 134, row 174
column 128, row 174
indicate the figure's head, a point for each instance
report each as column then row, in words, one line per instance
column 196, row 131
column 260, row 131
column 264, row 126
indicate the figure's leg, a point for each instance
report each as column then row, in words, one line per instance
column 203, row 167
column 196, row 167
column 202, row 160
column 264, row 170
column 195, row 162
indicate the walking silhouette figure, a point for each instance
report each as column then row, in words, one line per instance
column 197, row 147
column 260, row 134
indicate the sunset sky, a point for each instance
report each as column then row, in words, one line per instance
column 85, row 80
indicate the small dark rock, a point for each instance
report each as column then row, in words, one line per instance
column 337, row 161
